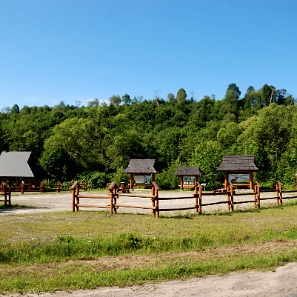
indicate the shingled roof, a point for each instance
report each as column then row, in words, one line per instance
column 238, row 164
column 188, row 171
column 141, row 166
column 19, row 164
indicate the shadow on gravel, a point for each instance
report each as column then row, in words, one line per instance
column 13, row 207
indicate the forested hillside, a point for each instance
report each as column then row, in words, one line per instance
column 95, row 142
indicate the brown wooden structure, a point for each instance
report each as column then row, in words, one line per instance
column 142, row 172
column 19, row 166
column 112, row 196
column 238, row 170
column 188, row 176
column 228, row 197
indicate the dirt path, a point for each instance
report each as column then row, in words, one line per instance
column 282, row 282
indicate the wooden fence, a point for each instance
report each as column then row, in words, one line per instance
column 112, row 197
column 277, row 194
column 5, row 191
column 229, row 197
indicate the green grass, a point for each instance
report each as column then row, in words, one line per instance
column 68, row 251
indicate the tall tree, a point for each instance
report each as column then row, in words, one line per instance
column 233, row 87
column 126, row 99
column 171, row 97
column 268, row 94
column 181, row 95
column 15, row 109
column 115, row 100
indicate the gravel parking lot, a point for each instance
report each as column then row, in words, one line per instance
column 48, row 202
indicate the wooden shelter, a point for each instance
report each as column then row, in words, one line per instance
column 142, row 172
column 238, row 170
column 20, row 165
column 188, row 176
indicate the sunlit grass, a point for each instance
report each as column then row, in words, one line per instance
column 88, row 249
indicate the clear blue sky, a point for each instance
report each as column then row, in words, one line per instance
column 78, row 50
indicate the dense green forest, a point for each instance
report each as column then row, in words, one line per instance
column 96, row 142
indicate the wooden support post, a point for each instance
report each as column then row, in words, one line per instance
column 251, row 180
column 157, row 202
column 153, row 201
column 73, row 197
column 58, row 186
column 77, row 197
column 228, row 197
column 200, row 198
column 196, row 197
column 255, row 195
column 231, row 197
column 111, row 201
column 131, row 181
column 226, row 180
column 115, row 196
column 7, row 193
column 22, row 187
column 257, row 191
column 279, row 193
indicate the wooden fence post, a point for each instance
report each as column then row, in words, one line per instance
column 58, row 186
column 198, row 197
column 279, row 193
column 113, row 194
column 230, row 193
column 75, row 198
column 155, row 199
column 257, row 191
column 111, row 201
column 7, row 193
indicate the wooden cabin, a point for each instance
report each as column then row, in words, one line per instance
column 238, row 170
column 188, row 176
column 20, row 167
column 142, row 172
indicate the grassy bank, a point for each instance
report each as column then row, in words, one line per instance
column 67, row 251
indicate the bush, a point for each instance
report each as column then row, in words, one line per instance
column 120, row 176
column 95, row 180
column 167, row 180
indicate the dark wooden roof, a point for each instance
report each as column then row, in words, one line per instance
column 19, row 164
column 188, row 171
column 238, row 164
column 141, row 166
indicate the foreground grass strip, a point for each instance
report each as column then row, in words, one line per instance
column 88, row 275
